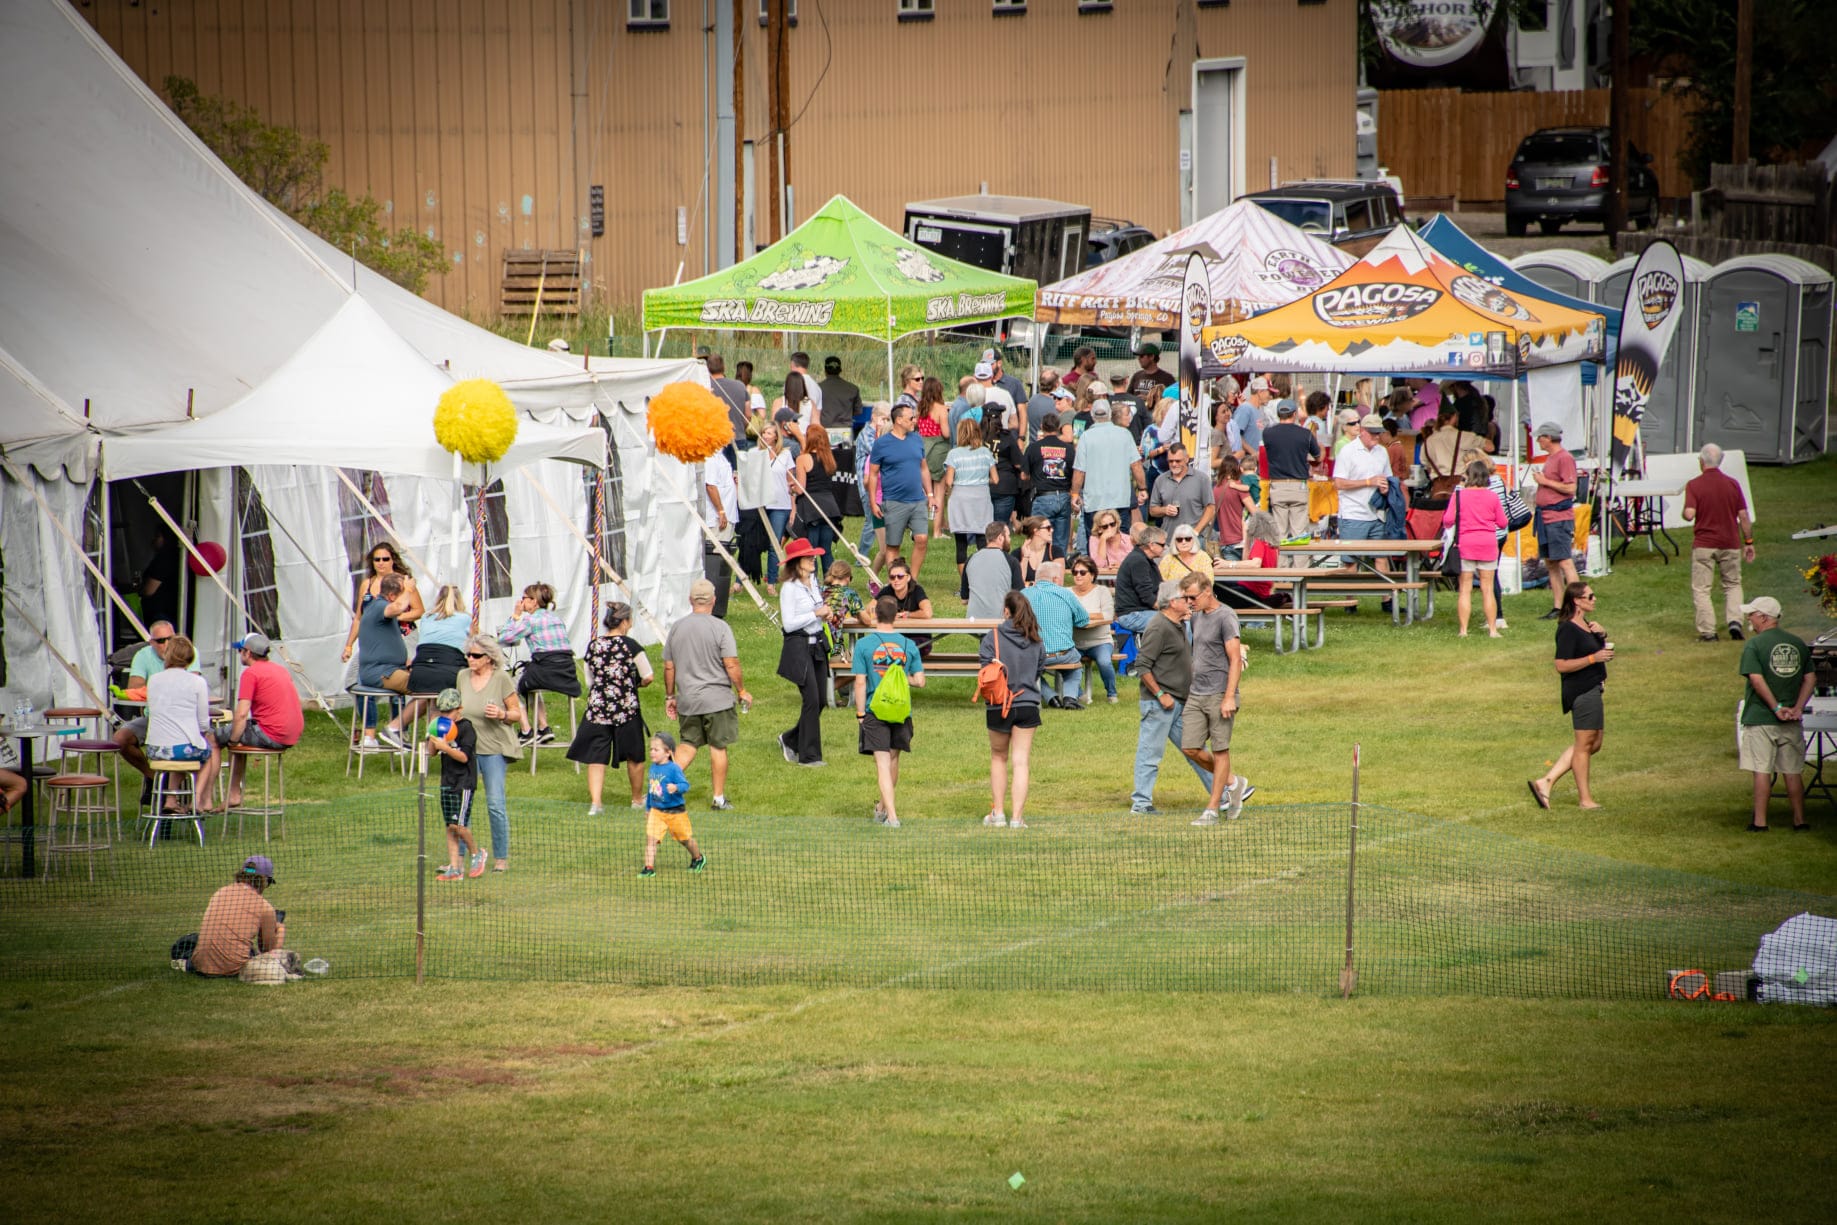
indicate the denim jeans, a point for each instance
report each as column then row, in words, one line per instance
column 1358, row 529
column 824, row 540
column 1003, row 509
column 867, row 548
column 1159, row 729
column 780, row 520
column 1106, row 670
column 1137, row 621
column 491, row 770
column 1069, row 684
column 1056, row 506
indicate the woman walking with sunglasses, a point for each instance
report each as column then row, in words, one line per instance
column 488, row 697
column 1582, row 656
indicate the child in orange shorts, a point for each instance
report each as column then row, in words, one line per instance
column 666, row 803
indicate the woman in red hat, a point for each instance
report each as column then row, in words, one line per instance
column 804, row 659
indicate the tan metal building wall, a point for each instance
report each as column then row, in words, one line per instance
column 464, row 118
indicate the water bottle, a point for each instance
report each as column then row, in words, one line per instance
column 22, row 712
column 318, row 965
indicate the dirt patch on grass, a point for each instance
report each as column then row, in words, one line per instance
column 1546, row 1118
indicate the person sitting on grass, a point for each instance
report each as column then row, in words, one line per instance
column 551, row 659
column 452, row 736
column 875, row 655
column 668, row 804
column 239, row 922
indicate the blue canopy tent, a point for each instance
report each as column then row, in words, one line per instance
column 1554, row 389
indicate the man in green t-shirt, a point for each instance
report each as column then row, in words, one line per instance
column 1778, row 686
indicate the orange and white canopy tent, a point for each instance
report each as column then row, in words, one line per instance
column 1254, row 261
column 1404, row 309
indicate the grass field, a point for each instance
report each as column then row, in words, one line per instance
column 148, row 1095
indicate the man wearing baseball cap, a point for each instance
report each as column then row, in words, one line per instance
column 1554, row 507
column 239, row 922
column 1772, row 707
column 268, row 712
column 1146, row 384
column 1362, row 474
column 993, row 392
column 1016, row 390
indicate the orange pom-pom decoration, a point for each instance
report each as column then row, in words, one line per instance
column 689, row 422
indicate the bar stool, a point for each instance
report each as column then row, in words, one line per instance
column 356, row 749
column 168, row 778
column 76, row 716
column 272, row 805
column 76, row 800
column 80, row 748
column 559, row 743
column 425, row 714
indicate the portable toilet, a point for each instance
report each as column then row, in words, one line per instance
column 1763, row 358
column 1575, row 273
column 1666, row 427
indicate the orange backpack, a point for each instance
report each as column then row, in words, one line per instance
column 992, row 680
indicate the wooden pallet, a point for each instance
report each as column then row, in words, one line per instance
column 555, row 275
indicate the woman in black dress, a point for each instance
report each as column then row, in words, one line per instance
column 1582, row 656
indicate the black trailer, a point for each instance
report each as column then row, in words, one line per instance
column 1042, row 240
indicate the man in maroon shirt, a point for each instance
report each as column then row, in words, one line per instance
column 1724, row 538
column 1554, row 503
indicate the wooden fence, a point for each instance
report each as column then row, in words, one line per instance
column 1446, row 143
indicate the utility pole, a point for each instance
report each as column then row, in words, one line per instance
column 781, row 118
column 1744, row 80
column 1617, row 120
column 774, row 31
column 740, row 10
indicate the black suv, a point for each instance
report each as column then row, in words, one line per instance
column 1112, row 239
column 1352, row 214
column 1561, row 174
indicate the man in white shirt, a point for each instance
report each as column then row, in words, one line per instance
column 721, row 512
column 1361, row 473
column 995, row 393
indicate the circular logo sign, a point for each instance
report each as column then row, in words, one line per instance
column 1295, row 268
column 1486, row 296
column 1431, row 33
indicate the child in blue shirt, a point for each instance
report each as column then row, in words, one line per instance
column 666, row 802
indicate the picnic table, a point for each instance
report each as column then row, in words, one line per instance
column 936, row 662
column 1364, row 573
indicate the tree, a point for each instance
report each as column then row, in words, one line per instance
column 288, row 170
column 1794, row 93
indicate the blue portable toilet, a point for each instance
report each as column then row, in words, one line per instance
column 1763, row 358
column 1666, row 427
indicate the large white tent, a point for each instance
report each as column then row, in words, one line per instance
column 158, row 316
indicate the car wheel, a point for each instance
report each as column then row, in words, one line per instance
column 1648, row 219
column 1549, row 226
column 1514, row 227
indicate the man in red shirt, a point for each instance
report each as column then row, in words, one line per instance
column 1723, row 539
column 268, row 713
column 1554, row 504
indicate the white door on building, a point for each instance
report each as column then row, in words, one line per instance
column 1218, row 134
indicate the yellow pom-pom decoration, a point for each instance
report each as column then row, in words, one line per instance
column 476, row 420
column 689, row 422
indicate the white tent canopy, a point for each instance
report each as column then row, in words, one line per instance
column 156, row 315
column 1254, row 261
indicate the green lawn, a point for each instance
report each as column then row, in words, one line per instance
column 686, row 1093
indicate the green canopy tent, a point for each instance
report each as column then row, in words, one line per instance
column 841, row 273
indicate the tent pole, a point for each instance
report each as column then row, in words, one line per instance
column 1039, row 349
column 108, row 568
column 370, row 509
column 76, row 547
column 459, row 512
column 593, row 552
column 216, row 578
column 890, row 388
column 78, row 677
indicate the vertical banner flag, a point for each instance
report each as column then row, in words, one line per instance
column 1655, row 300
column 1195, row 314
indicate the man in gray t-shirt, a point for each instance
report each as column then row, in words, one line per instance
column 991, row 573
column 701, row 676
column 1211, row 706
column 1181, row 497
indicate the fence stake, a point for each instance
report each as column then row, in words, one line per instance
column 420, row 862
column 1349, row 977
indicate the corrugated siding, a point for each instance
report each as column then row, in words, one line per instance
column 467, row 104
